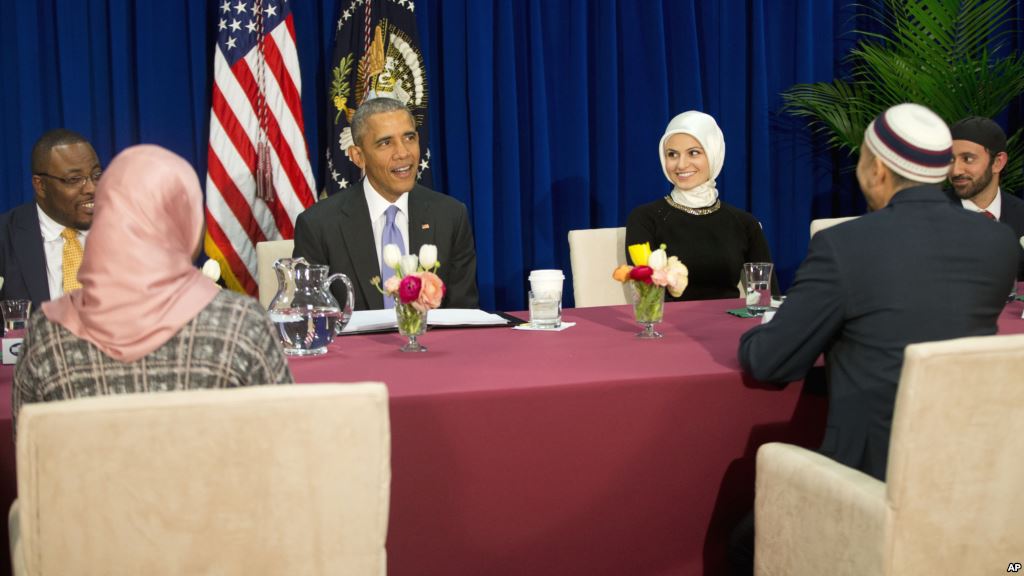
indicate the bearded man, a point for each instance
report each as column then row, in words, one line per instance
column 979, row 157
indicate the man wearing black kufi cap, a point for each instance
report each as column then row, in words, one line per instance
column 979, row 157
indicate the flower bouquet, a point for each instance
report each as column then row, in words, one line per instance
column 651, row 274
column 416, row 289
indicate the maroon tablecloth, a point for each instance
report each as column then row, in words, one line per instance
column 585, row 451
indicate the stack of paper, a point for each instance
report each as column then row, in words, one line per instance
column 374, row 320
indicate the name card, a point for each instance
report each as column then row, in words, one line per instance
column 11, row 349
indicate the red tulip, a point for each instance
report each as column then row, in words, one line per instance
column 641, row 274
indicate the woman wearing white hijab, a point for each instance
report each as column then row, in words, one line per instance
column 713, row 239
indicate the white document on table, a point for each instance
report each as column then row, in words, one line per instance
column 374, row 320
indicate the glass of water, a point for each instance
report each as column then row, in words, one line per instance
column 1016, row 291
column 546, row 309
column 15, row 316
column 757, row 279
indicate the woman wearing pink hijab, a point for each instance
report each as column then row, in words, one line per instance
column 146, row 319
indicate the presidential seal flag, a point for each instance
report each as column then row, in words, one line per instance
column 259, row 177
column 376, row 54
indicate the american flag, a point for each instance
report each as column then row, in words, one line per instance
column 259, row 177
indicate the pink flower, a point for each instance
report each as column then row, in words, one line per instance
column 677, row 275
column 432, row 291
column 641, row 274
column 660, row 277
column 409, row 288
column 391, row 285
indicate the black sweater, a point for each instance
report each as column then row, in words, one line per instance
column 713, row 246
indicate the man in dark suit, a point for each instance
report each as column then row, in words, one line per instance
column 979, row 157
column 908, row 272
column 35, row 237
column 348, row 231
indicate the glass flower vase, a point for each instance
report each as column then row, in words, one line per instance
column 648, row 307
column 411, row 324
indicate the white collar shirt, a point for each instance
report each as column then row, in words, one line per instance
column 53, row 249
column 378, row 206
column 995, row 208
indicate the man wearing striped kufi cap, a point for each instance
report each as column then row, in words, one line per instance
column 907, row 272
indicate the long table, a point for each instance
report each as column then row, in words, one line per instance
column 585, row 451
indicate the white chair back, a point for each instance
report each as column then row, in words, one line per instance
column 267, row 253
column 952, row 496
column 823, row 223
column 262, row 480
column 954, row 475
column 594, row 255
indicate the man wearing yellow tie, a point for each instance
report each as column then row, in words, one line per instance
column 42, row 242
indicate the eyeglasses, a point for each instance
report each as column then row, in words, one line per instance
column 75, row 181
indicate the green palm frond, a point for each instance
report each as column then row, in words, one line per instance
column 938, row 53
column 1010, row 179
column 839, row 110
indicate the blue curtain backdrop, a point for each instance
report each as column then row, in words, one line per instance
column 545, row 115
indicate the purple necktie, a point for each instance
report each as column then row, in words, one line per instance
column 390, row 235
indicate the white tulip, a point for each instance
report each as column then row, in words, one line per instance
column 409, row 264
column 428, row 256
column 392, row 255
column 211, row 269
column 658, row 259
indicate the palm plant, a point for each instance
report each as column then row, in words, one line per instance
column 939, row 53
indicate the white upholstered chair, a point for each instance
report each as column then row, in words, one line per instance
column 263, row 480
column 952, row 502
column 594, row 255
column 267, row 253
column 822, row 223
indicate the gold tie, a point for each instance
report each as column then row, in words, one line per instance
column 72, row 259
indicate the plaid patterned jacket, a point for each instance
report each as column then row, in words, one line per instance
column 230, row 343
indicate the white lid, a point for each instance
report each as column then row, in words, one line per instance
column 547, row 275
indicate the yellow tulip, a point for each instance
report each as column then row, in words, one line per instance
column 639, row 253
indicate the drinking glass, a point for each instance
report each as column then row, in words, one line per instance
column 1016, row 291
column 757, row 279
column 546, row 309
column 648, row 307
column 15, row 314
column 411, row 324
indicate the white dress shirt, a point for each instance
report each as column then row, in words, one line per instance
column 53, row 248
column 995, row 208
column 378, row 206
